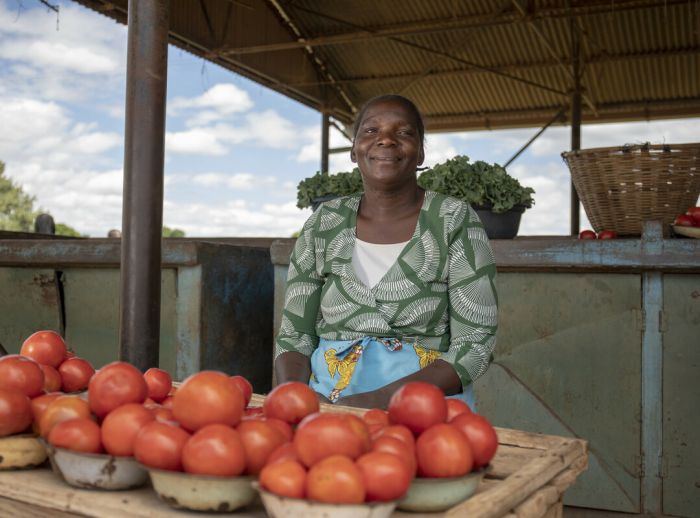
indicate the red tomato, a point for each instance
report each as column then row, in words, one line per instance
column 282, row 426
column 587, row 234
column 335, row 480
column 291, row 402
column 284, row 478
column 75, row 374
column 121, row 426
column 215, row 449
column 61, row 409
column 52, row 378
column 385, row 475
column 482, row 437
column 79, row 434
column 159, row 383
column 167, row 402
column 694, row 212
column 322, row 435
column 376, row 419
column 163, row 414
column 45, row 347
column 443, row 451
column 359, row 428
column 159, row 445
column 254, row 411
column 15, row 412
column 399, row 448
column 456, row 407
column 684, row 220
column 418, row 405
column 285, row 451
column 259, row 439
column 607, row 234
column 39, row 404
column 21, row 373
column 115, row 384
column 245, row 386
column 398, row 431
column 69, row 354
column 208, row 397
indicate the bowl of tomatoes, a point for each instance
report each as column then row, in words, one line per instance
column 688, row 224
column 209, row 493
column 96, row 470
column 21, row 451
column 429, row 495
column 278, row 505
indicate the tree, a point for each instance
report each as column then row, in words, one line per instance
column 16, row 207
column 173, row 232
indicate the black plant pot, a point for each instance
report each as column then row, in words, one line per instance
column 500, row 225
column 320, row 199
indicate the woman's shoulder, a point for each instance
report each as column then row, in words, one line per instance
column 349, row 202
column 444, row 204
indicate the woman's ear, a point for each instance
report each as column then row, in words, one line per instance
column 421, row 156
column 352, row 154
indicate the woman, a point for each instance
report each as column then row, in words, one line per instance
column 391, row 285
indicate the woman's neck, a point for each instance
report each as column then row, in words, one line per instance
column 390, row 206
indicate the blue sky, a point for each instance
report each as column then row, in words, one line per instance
column 235, row 151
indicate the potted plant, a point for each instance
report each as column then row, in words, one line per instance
column 321, row 187
column 497, row 197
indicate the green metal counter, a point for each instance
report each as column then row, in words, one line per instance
column 598, row 340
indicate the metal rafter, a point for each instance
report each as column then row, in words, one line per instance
column 445, row 24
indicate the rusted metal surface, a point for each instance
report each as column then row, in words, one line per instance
column 216, row 309
column 680, row 327
column 142, row 213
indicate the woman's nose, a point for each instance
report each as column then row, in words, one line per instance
column 385, row 138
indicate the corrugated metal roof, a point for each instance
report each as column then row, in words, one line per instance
column 467, row 65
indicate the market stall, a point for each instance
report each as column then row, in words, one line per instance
column 526, row 479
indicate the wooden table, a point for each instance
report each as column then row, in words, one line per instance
column 527, row 479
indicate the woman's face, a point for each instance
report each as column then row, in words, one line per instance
column 387, row 147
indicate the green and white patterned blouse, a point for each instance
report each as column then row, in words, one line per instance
column 439, row 294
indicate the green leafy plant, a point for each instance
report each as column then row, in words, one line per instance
column 478, row 183
column 324, row 184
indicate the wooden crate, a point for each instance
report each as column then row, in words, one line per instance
column 527, row 479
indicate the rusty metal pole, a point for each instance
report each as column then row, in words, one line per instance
column 575, row 119
column 325, row 133
column 142, row 207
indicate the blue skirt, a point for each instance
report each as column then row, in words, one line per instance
column 345, row 367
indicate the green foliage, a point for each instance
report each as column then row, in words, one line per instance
column 173, row 232
column 64, row 230
column 16, row 207
column 478, row 183
column 324, row 184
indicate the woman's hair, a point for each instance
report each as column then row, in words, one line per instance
column 406, row 102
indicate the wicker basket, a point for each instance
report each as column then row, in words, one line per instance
column 621, row 187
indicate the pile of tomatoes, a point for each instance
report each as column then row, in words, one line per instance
column 339, row 457
column 206, row 426
column 603, row 234
column 691, row 218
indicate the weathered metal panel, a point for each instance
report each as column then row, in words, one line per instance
column 92, row 315
column 29, row 301
column 568, row 362
column 237, row 287
column 681, row 395
column 189, row 323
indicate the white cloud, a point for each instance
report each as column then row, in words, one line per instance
column 196, row 141
column 218, row 102
column 238, row 181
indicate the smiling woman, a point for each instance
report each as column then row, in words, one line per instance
column 390, row 285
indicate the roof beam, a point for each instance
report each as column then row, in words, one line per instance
column 598, row 59
column 449, row 24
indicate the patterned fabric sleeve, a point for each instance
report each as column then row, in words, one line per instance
column 302, row 299
column 472, row 296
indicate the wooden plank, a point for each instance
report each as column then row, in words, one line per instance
column 517, row 487
column 510, row 459
column 16, row 509
column 40, row 487
column 536, row 505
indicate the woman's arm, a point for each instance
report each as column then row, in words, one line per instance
column 439, row 373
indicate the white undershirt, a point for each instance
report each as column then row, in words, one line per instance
column 371, row 261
